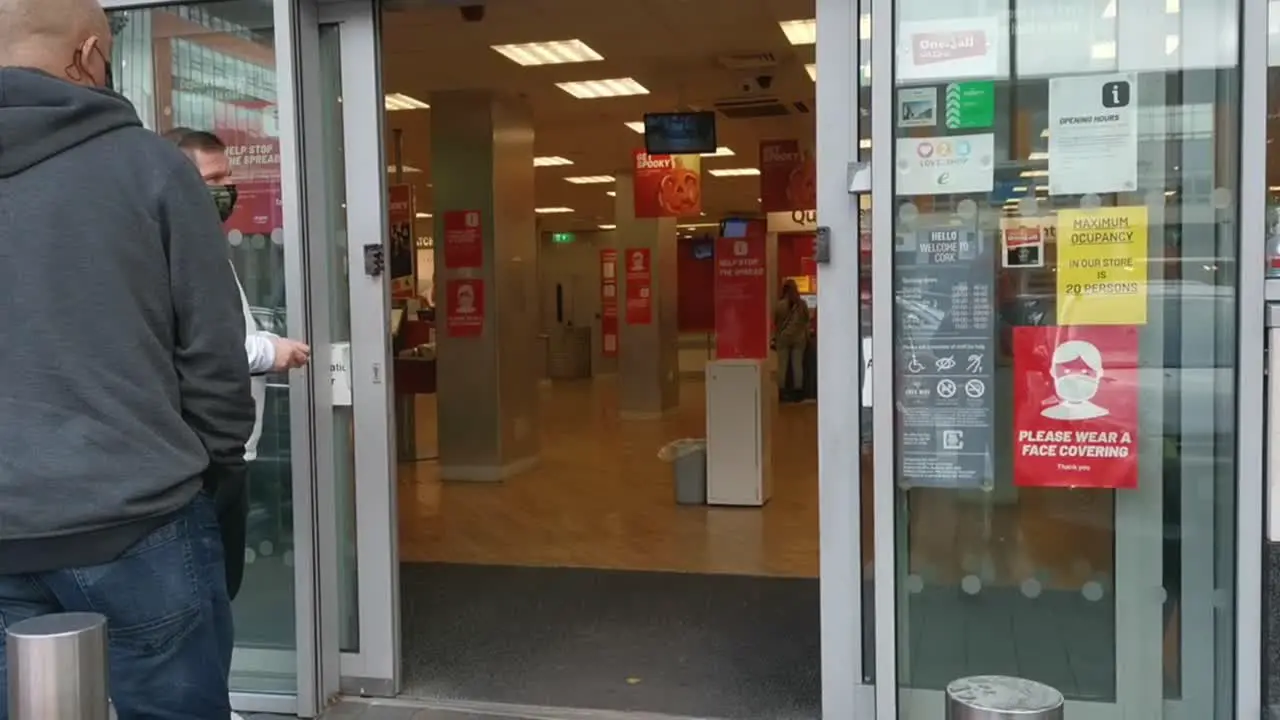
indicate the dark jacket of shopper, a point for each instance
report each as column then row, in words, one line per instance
column 124, row 387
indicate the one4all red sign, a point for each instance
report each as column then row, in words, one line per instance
column 1076, row 406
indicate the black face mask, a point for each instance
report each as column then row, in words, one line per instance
column 224, row 196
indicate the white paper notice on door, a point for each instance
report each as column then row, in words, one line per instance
column 1093, row 134
column 944, row 165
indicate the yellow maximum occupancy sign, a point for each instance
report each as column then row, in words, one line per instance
column 1102, row 266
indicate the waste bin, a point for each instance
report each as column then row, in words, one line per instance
column 998, row 697
column 688, row 460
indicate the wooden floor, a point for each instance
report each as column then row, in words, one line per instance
column 601, row 498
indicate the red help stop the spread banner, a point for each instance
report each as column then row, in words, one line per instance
column 1076, row 406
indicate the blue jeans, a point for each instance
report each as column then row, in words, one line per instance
column 168, row 618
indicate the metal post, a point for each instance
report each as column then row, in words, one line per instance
column 995, row 697
column 58, row 668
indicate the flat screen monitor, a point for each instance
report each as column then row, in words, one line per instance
column 686, row 133
column 734, row 229
column 703, row 251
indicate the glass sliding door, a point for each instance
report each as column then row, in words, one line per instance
column 1057, row 254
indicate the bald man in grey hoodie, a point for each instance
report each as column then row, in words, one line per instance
column 125, row 402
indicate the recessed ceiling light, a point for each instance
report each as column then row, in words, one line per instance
column 424, row 216
column 553, row 210
column 1034, row 173
column 551, row 161
column 734, row 172
column 721, row 151
column 864, row 26
column 591, row 179
column 406, row 169
column 612, row 193
column 556, row 52
column 1103, row 50
column 1038, row 156
column 635, row 126
column 800, row 32
column 608, row 227
column 398, row 101
column 612, row 87
column 812, row 69
column 864, row 143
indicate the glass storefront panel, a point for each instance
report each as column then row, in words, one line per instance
column 212, row 67
column 1064, row 284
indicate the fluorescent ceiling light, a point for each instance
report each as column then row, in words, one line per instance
column 865, row 143
column 591, row 179
column 424, row 216
column 551, row 161
column 1173, row 7
column 721, row 151
column 608, row 227
column 407, row 170
column 800, row 32
column 612, row 193
column 1104, row 50
column 1038, row 156
column 1035, row 173
column 1171, row 43
column 556, row 52
column 635, row 126
column 612, row 87
column 864, row 25
column 734, row 172
column 553, row 210
column 695, row 226
column 398, row 101
column 1110, row 10
column 812, row 69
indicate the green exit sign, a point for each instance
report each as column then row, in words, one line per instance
column 562, row 238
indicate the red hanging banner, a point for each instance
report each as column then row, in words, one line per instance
column 741, row 292
column 666, row 185
column 464, row 308
column 788, row 177
column 463, row 239
column 609, row 303
column 1076, row 406
column 639, row 287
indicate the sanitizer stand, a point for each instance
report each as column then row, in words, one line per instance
column 741, row 403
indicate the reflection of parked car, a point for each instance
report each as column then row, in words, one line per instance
column 271, row 476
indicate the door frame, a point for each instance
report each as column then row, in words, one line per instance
column 374, row 669
column 845, row 694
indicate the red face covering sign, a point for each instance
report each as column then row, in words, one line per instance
column 609, row 303
column 639, row 286
column 1076, row 406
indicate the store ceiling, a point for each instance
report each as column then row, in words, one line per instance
column 685, row 52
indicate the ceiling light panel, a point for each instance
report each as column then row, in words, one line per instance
column 812, row 69
column 553, row 210
column 407, row 169
column 637, row 127
column 551, row 161
column 612, row 193
column 556, row 52
column 399, row 101
column 613, row 87
column 721, row 151
column 800, row 32
column 734, row 172
column 591, row 179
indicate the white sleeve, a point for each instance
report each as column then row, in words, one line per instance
column 261, row 351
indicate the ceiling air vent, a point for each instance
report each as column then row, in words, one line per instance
column 747, row 61
column 801, row 107
column 754, row 107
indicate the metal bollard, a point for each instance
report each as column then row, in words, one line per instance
column 58, row 668
column 996, row 697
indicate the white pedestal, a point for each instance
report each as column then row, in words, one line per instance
column 741, row 402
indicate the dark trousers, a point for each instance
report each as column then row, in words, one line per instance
column 233, row 525
column 170, row 627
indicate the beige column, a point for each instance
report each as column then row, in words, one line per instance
column 648, row 360
column 482, row 161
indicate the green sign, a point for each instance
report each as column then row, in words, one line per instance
column 970, row 105
column 562, row 238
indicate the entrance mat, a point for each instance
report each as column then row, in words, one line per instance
column 718, row 646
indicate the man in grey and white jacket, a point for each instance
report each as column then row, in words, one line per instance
column 265, row 351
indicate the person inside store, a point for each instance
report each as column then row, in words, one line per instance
column 117, row 426
column 790, row 337
column 266, row 352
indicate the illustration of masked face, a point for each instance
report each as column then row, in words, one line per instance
column 1075, row 387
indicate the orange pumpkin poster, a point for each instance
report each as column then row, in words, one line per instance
column 667, row 185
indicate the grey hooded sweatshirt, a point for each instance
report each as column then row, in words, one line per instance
column 123, row 382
